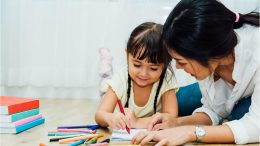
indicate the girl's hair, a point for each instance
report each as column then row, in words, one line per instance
column 203, row 29
column 145, row 43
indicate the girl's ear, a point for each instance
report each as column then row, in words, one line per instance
column 126, row 55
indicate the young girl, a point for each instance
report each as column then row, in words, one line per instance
column 144, row 86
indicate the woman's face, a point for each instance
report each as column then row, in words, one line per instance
column 193, row 67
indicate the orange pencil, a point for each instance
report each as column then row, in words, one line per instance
column 79, row 138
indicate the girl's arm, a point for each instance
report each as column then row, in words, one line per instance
column 169, row 103
column 104, row 115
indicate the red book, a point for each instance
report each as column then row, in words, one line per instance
column 10, row 105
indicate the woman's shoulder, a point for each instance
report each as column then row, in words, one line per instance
column 248, row 43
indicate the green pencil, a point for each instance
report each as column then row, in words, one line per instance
column 91, row 141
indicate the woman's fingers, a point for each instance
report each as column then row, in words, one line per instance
column 138, row 137
column 162, row 142
column 147, row 138
column 157, row 118
column 157, row 127
column 143, row 137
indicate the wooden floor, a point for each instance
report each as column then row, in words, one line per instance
column 57, row 112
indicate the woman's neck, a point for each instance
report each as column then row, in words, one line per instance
column 225, row 69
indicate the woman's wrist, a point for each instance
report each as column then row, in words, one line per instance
column 191, row 133
column 179, row 122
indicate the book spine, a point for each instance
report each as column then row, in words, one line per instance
column 26, row 120
column 23, row 106
column 22, row 127
column 29, row 125
column 25, row 114
column 18, row 116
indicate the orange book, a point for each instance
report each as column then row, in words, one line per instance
column 10, row 105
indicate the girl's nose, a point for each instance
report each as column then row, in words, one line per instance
column 144, row 72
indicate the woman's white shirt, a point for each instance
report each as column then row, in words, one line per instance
column 219, row 97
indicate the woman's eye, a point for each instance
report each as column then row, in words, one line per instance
column 137, row 65
column 182, row 64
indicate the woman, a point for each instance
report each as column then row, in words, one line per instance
column 200, row 36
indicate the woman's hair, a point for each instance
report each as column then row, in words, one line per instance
column 145, row 43
column 203, row 29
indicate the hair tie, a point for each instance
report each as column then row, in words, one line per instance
column 237, row 17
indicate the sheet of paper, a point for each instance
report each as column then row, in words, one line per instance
column 122, row 135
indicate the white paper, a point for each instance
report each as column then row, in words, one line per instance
column 122, row 135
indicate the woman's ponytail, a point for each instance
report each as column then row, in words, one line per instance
column 250, row 18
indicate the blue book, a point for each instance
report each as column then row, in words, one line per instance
column 18, row 116
column 22, row 127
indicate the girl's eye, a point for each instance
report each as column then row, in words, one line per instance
column 137, row 65
column 154, row 69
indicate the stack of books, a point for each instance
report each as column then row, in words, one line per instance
column 19, row 114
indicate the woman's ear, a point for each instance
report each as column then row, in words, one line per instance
column 213, row 64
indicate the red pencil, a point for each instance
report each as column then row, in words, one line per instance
column 123, row 112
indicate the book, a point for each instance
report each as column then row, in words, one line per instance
column 20, row 122
column 23, row 127
column 10, row 105
column 122, row 135
column 18, row 116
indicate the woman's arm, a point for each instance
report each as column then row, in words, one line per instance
column 165, row 120
column 195, row 119
column 184, row 134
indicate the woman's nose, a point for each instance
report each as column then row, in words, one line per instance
column 178, row 66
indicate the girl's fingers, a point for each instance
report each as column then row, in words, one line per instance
column 126, row 121
column 121, row 123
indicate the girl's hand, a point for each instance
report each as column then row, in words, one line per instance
column 130, row 114
column 162, row 121
column 173, row 136
column 117, row 121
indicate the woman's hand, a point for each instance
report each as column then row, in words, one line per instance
column 130, row 115
column 162, row 121
column 173, row 136
column 117, row 121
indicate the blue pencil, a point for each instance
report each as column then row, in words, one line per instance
column 66, row 133
column 91, row 127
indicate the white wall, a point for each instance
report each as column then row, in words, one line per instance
column 49, row 48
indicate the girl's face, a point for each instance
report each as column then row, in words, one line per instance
column 143, row 73
column 193, row 67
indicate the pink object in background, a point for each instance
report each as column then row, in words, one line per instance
column 105, row 69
